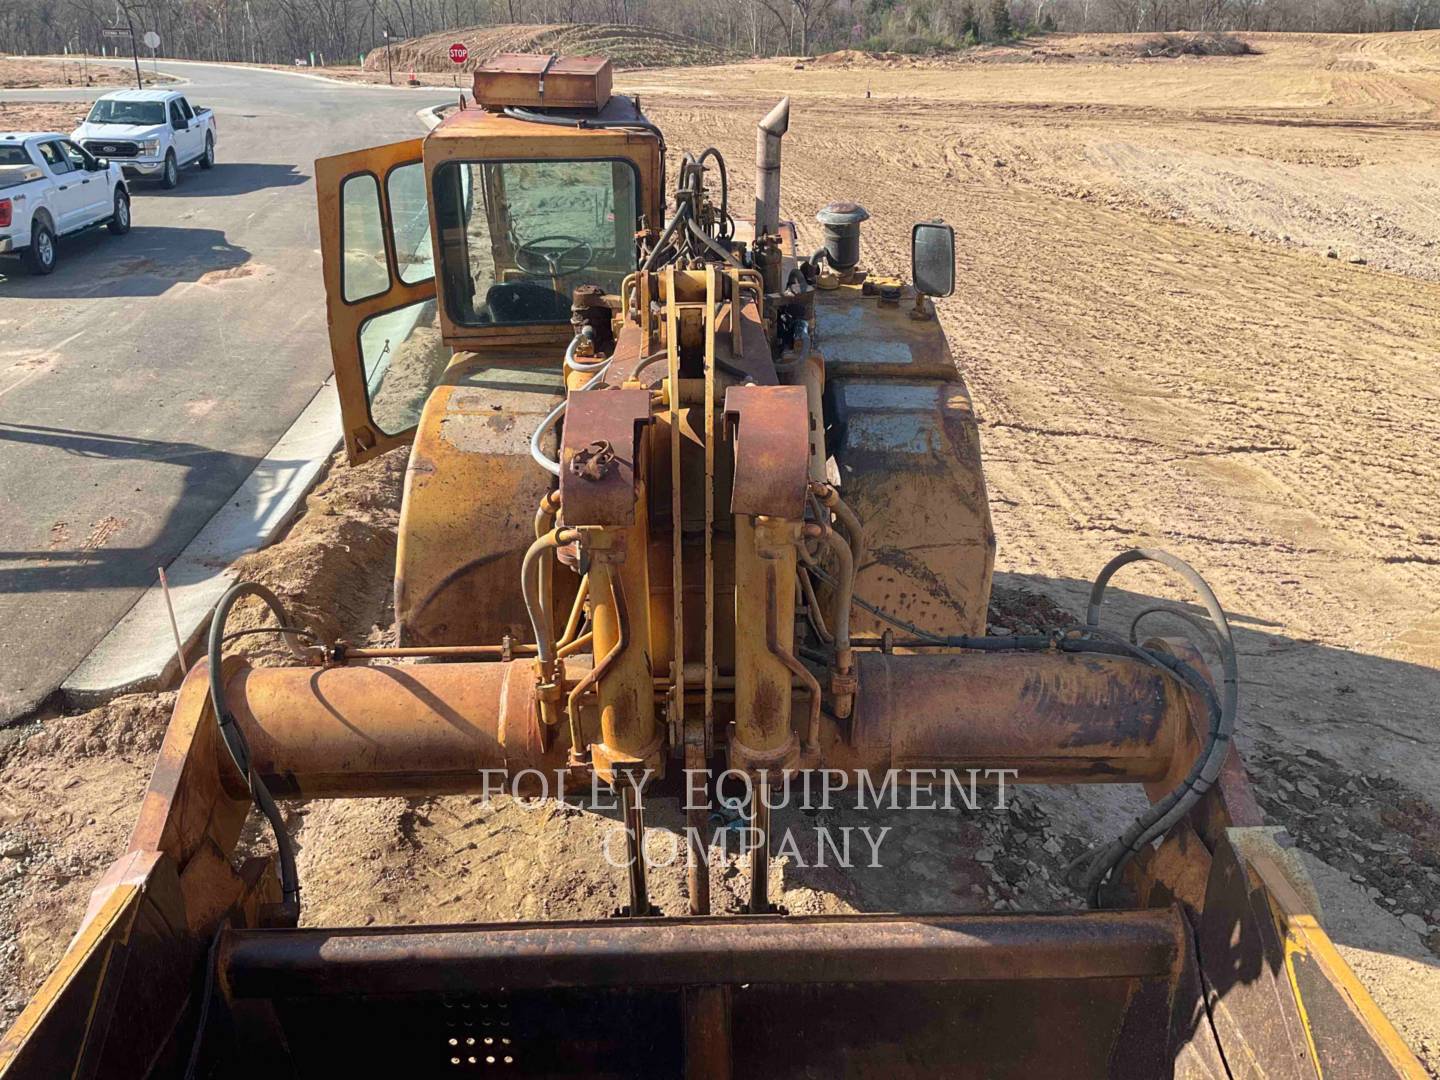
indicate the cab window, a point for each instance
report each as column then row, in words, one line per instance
column 177, row 118
column 54, row 157
column 516, row 237
column 79, row 159
column 185, row 108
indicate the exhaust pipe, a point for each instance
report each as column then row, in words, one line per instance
column 767, row 169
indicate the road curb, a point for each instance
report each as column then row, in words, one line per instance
column 139, row 652
column 430, row 115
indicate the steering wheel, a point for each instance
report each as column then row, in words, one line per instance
column 554, row 256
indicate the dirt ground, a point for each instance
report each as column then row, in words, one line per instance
column 23, row 72
column 1197, row 310
column 61, row 116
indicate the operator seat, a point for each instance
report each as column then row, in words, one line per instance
column 525, row 302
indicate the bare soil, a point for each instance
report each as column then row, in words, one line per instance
column 626, row 46
column 61, row 116
column 1197, row 310
column 26, row 72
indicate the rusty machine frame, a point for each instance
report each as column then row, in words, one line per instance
column 743, row 527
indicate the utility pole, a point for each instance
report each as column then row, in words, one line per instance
column 134, row 52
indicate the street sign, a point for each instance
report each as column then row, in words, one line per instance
column 115, row 31
column 152, row 39
column 459, row 53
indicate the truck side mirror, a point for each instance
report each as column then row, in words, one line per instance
column 932, row 258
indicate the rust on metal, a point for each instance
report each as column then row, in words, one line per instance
column 769, row 427
column 598, row 455
column 712, row 951
column 1055, row 717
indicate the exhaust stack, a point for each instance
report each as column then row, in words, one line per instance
column 767, row 168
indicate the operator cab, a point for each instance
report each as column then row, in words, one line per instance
column 475, row 238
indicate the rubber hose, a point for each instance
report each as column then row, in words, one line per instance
column 1169, row 810
column 234, row 738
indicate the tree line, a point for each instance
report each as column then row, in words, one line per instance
column 341, row 31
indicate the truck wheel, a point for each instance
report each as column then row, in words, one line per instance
column 119, row 223
column 207, row 160
column 40, row 255
column 170, row 178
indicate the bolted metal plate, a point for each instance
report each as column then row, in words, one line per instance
column 597, row 455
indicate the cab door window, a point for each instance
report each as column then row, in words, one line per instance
column 363, row 269
column 177, row 118
column 55, row 158
column 78, row 159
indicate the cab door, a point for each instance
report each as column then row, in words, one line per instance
column 378, row 260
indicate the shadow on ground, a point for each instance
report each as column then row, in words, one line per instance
column 226, row 178
column 149, row 261
column 210, row 477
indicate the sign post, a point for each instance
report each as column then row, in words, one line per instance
column 128, row 30
column 458, row 55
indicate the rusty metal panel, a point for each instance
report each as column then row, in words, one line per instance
column 598, row 455
column 713, row 951
column 770, row 428
column 540, row 80
column 1054, row 717
column 1242, row 962
column 468, row 513
column 908, row 455
column 862, row 337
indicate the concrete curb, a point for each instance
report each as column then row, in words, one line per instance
column 139, row 652
column 430, row 115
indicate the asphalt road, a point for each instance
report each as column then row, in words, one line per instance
column 143, row 380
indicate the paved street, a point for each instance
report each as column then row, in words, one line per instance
column 141, row 383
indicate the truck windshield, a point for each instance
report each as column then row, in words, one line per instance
column 112, row 111
column 516, row 237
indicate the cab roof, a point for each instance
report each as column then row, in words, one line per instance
column 474, row 120
column 138, row 95
column 26, row 136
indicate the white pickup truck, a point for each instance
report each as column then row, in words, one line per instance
column 150, row 133
column 50, row 187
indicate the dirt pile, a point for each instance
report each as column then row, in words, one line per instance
column 626, row 46
column 70, row 791
column 1049, row 48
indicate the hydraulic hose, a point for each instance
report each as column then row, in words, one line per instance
column 1107, row 863
column 536, row 598
column 574, row 363
column 682, row 214
column 549, row 464
column 234, row 738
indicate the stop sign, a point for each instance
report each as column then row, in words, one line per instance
column 459, row 53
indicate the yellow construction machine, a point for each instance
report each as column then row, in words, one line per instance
column 683, row 502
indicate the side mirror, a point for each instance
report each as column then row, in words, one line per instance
column 178, row 125
column 932, row 258
column 100, row 164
